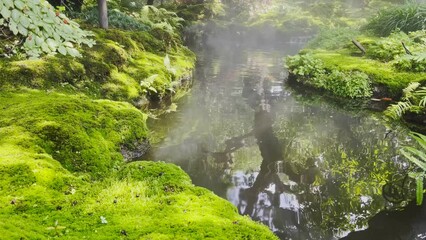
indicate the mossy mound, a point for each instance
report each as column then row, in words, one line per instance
column 380, row 73
column 62, row 175
column 116, row 68
column 143, row 200
column 84, row 135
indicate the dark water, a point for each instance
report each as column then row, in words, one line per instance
column 305, row 167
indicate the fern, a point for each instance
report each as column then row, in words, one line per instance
column 414, row 99
column 395, row 111
column 419, row 190
column 408, row 91
column 421, row 94
column 417, row 157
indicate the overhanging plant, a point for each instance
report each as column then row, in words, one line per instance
column 418, row 157
column 43, row 29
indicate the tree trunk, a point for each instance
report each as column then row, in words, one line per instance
column 150, row 2
column 103, row 14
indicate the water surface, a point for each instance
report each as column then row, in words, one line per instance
column 305, row 167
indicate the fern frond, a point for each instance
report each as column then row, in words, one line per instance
column 421, row 96
column 421, row 140
column 419, row 190
column 395, row 111
column 408, row 91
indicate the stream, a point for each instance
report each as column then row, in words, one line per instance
column 305, row 167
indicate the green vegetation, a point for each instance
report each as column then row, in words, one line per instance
column 142, row 200
column 193, row 10
column 386, row 62
column 408, row 17
column 417, row 157
column 118, row 67
column 413, row 101
column 69, row 126
column 42, row 30
column 313, row 72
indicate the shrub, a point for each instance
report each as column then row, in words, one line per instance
column 407, row 18
column 347, row 84
column 116, row 19
column 311, row 71
column 305, row 65
column 42, row 29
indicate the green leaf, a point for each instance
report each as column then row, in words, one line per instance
column 73, row 52
column 25, row 21
column 19, row 4
column 421, row 139
column 68, row 44
column 62, row 50
column 38, row 40
column 414, row 160
column 22, row 30
column 30, row 43
column 6, row 13
column 152, row 89
column 45, row 47
column 16, row 15
column 8, row 3
column 13, row 27
column 167, row 61
column 52, row 44
column 419, row 190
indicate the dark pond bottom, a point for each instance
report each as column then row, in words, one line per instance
column 306, row 168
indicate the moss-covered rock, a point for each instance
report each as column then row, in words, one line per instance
column 84, row 135
column 144, row 200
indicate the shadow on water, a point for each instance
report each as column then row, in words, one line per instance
column 305, row 168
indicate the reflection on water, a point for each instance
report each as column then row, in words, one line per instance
column 305, row 168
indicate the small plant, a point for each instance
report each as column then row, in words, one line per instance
column 413, row 100
column 348, row 84
column 305, row 65
column 41, row 28
column 57, row 228
column 417, row 157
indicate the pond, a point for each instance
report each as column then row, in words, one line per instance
column 306, row 167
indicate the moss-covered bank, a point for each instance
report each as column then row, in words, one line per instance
column 384, row 62
column 385, row 72
column 65, row 125
column 123, row 65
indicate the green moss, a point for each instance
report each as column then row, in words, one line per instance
column 62, row 174
column 145, row 200
column 83, row 134
column 113, row 68
column 380, row 73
